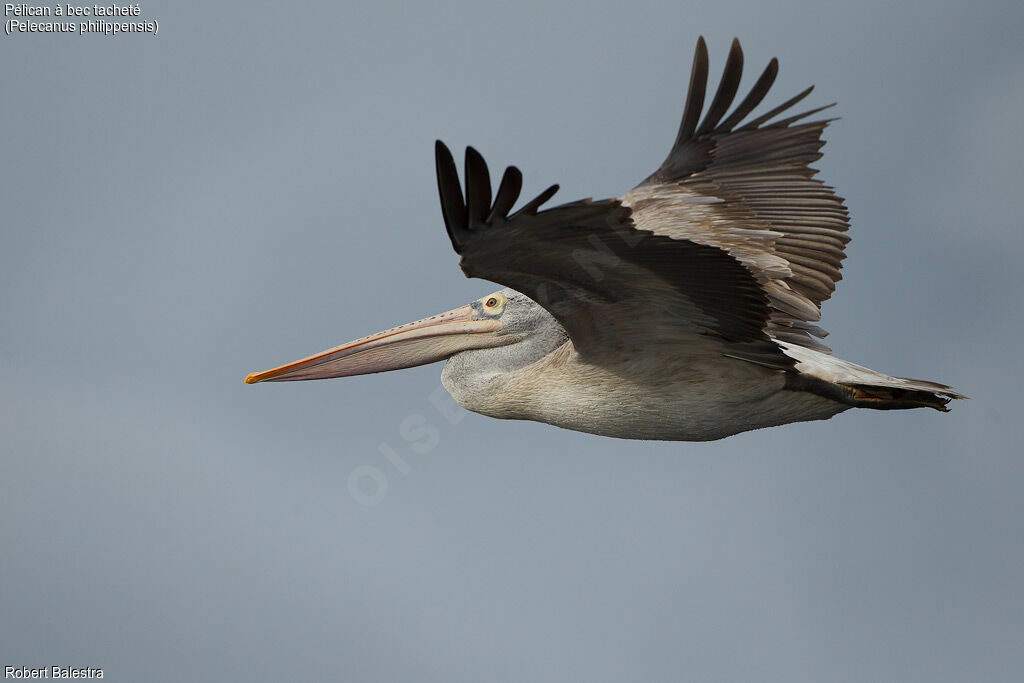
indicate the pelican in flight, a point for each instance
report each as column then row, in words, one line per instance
column 684, row 310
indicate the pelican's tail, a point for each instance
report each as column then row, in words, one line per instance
column 862, row 387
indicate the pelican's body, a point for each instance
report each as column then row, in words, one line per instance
column 684, row 310
column 698, row 399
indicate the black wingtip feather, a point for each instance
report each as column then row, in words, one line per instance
column 530, row 207
column 778, row 110
column 727, row 88
column 452, row 206
column 809, row 112
column 761, row 87
column 478, row 187
column 695, row 94
column 508, row 192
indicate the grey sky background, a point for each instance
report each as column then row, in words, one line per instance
column 255, row 183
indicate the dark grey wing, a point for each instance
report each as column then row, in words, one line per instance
column 614, row 288
column 749, row 189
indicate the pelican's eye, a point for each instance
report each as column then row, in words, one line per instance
column 493, row 304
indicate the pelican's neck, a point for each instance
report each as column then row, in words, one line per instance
column 476, row 378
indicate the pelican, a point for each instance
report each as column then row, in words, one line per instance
column 684, row 310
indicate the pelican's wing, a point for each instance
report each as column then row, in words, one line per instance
column 614, row 288
column 749, row 189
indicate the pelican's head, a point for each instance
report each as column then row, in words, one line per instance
column 502, row 330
